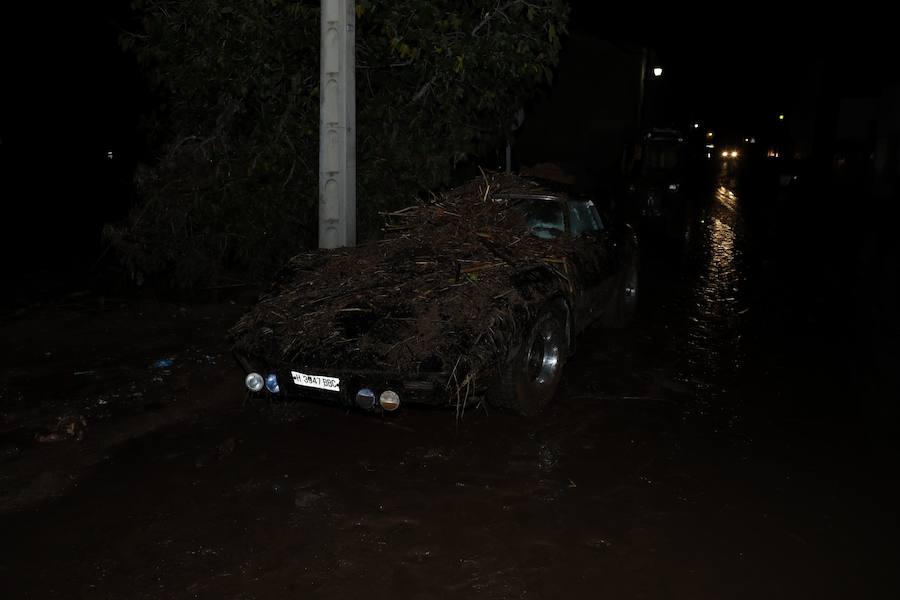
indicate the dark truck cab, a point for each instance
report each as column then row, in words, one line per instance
column 654, row 191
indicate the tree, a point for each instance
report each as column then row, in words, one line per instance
column 235, row 185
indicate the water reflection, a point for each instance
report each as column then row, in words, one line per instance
column 720, row 282
column 712, row 352
column 726, row 197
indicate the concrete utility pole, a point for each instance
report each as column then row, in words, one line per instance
column 337, row 125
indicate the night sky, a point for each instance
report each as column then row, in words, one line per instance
column 67, row 86
column 66, row 79
column 737, row 64
column 70, row 95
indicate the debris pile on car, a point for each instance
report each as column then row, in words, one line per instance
column 450, row 289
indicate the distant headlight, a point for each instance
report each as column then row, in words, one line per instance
column 673, row 187
column 254, row 382
column 734, row 154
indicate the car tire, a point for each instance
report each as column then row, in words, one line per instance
column 529, row 381
column 623, row 305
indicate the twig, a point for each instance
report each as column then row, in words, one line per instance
column 424, row 89
column 399, row 213
column 410, row 338
column 453, row 373
column 483, row 267
column 500, row 10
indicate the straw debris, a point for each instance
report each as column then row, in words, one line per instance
column 451, row 288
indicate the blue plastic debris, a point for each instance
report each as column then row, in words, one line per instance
column 163, row 363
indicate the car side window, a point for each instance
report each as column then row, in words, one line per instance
column 584, row 217
column 544, row 218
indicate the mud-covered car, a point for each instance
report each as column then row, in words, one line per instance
column 476, row 295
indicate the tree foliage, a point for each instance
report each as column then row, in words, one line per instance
column 438, row 82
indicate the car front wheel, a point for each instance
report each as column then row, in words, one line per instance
column 529, row 382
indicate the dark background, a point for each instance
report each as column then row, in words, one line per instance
column 736, row 441
column 70, row 96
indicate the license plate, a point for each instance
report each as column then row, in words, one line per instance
column 331, row 384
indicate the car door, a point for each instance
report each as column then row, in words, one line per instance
column 590, row 259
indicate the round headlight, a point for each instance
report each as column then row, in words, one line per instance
column 365, row 399
column 272, row 383
column 254, row 382
column 389, row 400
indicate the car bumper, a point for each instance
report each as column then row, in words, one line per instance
column 354, row 388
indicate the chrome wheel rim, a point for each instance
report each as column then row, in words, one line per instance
column 542, row 362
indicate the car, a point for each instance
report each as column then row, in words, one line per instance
column 654, row 192
column 476, row 295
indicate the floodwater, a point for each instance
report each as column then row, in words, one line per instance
column 715, row 449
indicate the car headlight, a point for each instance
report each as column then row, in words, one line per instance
column 389, row 400
column 254, row 382
column 365, row 399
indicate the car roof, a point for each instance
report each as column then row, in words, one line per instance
column 548, row 189
column 545, row 197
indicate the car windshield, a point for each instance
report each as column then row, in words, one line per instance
column 543, row 217
column 661, row 156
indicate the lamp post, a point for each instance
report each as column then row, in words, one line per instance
column 647, row 96
column 337, row 125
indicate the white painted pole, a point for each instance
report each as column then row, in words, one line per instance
column 337, row 125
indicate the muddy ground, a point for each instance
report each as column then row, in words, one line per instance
column 736, row 442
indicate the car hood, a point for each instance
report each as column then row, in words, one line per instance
column 452, row 288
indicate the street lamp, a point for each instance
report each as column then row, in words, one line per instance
column 657, row 71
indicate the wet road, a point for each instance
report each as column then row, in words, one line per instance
column 716, row 449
